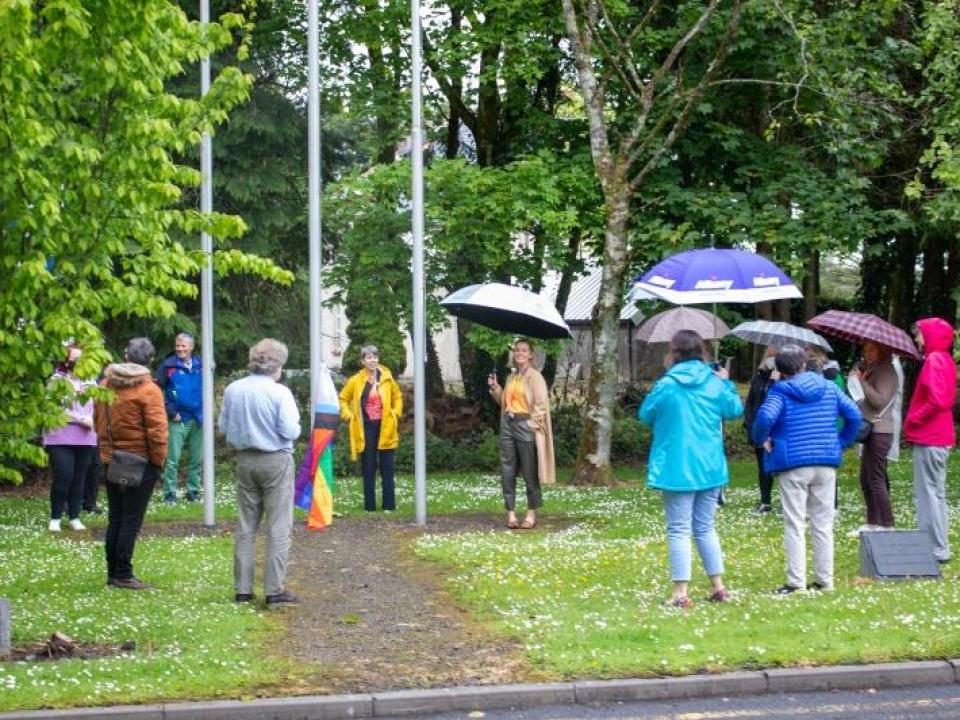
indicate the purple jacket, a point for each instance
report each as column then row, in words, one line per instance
column 73, row 433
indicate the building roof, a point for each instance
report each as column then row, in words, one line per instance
column 583, row 297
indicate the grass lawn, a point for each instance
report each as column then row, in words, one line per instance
column 585, row 601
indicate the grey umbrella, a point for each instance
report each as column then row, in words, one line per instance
column 778, row 334
column 663, row 326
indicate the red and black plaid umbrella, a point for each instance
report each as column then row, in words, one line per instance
column 859, row 327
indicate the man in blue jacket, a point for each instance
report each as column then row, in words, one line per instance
column 181, row 379
column 797, row 425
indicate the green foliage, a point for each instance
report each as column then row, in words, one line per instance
column 90, row 190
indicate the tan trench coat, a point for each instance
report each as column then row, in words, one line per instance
column 538, row 399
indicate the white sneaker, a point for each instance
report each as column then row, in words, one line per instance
column 75, row 524
column 862, row 529
column 54, row 526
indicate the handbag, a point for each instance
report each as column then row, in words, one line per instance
column 866, row 426
column 126, row 468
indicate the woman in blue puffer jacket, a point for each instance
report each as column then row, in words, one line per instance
column 686, row 408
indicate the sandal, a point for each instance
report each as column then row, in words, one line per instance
column 528, row 524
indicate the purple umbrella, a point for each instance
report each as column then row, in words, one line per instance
column 716, row 275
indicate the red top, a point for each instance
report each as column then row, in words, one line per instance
column 374, row 405
column 930, row 418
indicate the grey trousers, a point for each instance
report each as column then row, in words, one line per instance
column 808, row 492
column 264, row 491
column 930, row 495
column 518, row 451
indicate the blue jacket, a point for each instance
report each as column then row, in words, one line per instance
column 800, row 417
column 685, row 409
column 182, row 388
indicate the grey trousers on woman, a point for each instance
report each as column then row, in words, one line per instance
column 518, row 451
column 264, row 489
column 930, row 495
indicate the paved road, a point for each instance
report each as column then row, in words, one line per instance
column 940, row 702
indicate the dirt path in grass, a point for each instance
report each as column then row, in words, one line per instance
column 374, row 617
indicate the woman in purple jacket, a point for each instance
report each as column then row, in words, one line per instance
column 71, row 448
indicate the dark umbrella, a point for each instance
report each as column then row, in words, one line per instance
column 859, row 327
column 509, row 309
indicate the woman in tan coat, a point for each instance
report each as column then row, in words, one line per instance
column 881, row 385
column 526, row 434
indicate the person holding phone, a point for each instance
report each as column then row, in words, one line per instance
column 687, row 463
column 763, row 379
column 526, row 434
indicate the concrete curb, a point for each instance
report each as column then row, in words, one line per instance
column 491, row 697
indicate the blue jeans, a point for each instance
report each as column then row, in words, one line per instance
column 692, row 513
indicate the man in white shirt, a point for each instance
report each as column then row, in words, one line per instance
column 261, row 421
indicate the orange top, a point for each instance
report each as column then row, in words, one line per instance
column 514, row 396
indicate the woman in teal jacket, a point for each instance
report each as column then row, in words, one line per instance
column 686, row 408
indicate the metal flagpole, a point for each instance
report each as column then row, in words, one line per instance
column 419, row 292
column 313, row 162
column 206, row 295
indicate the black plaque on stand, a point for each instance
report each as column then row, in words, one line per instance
column 897, row 555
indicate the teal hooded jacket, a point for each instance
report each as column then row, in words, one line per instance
column 685, row 409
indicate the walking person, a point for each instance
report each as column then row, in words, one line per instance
column 879, row 385
column 180, row 376
column 766, row 375
column 929, row 427
column 797, row 425
column 371, row 403
column 70, row 448
column 687, row 463
column 134, row 422
column 261, row 422
column 526, row 434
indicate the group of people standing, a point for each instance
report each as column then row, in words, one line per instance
column 799, row 419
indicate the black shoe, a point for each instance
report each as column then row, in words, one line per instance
column 817, row 587
column 243, row 597
column 131, row 584
column 95, row 510
column 282, row 598
column 763, row 509
column 193, row 496
column 785, row 590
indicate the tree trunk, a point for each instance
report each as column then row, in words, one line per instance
column 563, row 294
column 434, row 386
column 900, row 287
column 593, row 456
column 811, row 286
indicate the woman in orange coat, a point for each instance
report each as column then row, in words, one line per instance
column 136, row 422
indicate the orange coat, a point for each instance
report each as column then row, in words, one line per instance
column 138, row 420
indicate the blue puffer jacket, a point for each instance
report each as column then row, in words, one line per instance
column 182, row 388
column 685, row 409
column 800, row 417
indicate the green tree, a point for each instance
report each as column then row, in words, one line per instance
column 89, row 189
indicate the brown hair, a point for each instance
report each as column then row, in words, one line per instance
column 686, row 345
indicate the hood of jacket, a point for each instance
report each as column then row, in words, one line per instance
column 805, row 387
column 122, row 375
column 937, row 334
column 690, row 373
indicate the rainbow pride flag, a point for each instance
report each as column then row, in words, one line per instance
column 315, row 483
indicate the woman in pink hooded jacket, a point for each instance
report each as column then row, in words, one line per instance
column 929, row 426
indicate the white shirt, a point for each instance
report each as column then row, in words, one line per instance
column 259, row 414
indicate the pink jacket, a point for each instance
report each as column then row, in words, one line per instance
column 930, row 417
